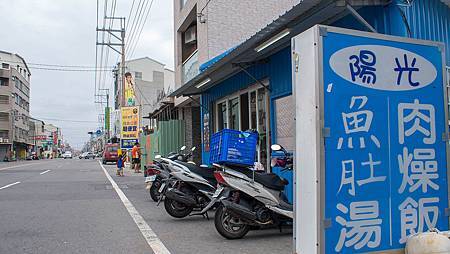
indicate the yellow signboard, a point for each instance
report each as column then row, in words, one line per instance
column 130, row 125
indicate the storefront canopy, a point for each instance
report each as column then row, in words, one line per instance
column 272, row 38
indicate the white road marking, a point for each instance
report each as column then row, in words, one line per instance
column 152, row 239
column 9, row 185
column 46, row 171
column 22, row 165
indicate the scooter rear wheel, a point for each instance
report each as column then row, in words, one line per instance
column 228, row 226
column 176, row 209
column 154, row 190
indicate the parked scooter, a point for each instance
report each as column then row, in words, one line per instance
column 189, row 188
column 250, row 199
column 159, row 171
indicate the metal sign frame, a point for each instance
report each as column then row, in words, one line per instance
column 308, row 91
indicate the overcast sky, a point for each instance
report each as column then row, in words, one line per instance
column 63, row 32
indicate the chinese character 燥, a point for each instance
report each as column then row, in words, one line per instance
column 362, row 66
column 357, row 122
column 419, row 113
column 418, row 169
column 364, row 227
column 415, row 216
column 348, row 174
column 406, row 68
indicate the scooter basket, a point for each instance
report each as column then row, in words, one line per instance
column 233, row 147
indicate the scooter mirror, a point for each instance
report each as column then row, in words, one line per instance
column 182, row 148
column 275, row 147
column 158, row 156
column 193, row 149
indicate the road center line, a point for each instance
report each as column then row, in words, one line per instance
column 23, row 165
column 9, row 185
column 46, row 171
column 152, row 239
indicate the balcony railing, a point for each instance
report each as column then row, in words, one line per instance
column 190, row 67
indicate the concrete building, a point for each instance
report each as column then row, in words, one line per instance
column 15, row 75
column 206, row 29
column 152, row 79
column 37, row 133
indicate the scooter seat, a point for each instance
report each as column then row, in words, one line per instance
column 269, row 180
column 205, row 172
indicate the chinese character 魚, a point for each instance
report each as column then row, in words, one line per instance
column 363, row 66
column 364, row 227
column 357, row 122
column 419, row 113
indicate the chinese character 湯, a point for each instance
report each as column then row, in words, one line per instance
column 364, row 227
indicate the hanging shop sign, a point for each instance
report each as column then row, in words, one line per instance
column 130, row 126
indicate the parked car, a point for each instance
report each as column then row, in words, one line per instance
column 89, row 155
column 67, row 155
column 110, row 153
column 82, row 155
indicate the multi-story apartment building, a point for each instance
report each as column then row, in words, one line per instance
column 37, row 133
column 151, row 79
column 15, row 77
column 206, row 29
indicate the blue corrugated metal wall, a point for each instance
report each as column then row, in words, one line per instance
column 427, row 19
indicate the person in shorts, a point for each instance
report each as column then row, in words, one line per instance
column 136, row 157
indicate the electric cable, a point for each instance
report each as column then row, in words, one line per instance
column 142, row 28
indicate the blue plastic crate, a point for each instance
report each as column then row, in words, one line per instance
column 233, row 147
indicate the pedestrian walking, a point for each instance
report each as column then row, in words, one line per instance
column 120, row 164
column 136, row 157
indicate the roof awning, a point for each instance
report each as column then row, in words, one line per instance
column 272, row 38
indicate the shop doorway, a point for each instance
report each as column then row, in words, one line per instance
column 247, row 110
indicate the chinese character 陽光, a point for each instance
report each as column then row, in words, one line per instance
column 363, row 66
column 418, row 169
column 357, row 122
column 415, row 216
column 419, row 113
column 406, row 68
column 364, row 227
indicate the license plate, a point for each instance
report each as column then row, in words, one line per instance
column 162, row 187
column 150, row 178
column 218, row 191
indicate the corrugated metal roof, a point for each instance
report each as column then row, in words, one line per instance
column 447, row 2
column 298, row 19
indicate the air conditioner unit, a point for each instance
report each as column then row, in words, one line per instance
column 1, row 140
column 6, row 140
column 190, row 35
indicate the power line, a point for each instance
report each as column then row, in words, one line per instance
column 58, row 65
column 136, row 22
column 66, row 120
column 142, row 28
column 71, row 70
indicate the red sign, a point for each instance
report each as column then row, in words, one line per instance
column 40, row 137
column 55, row 138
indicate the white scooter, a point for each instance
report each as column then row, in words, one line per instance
column 252, row 200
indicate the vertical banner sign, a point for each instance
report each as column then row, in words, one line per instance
column 130, row 95
column 206, row 132
column 130, row 127
column 385, row 155
column 107, row 119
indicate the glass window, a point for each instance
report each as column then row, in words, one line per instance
column 244, row 112
column 3, row 82
column 5, row 66
column 138, row 75
column 221, row 116
column 233, row 113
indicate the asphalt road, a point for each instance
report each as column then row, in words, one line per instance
column 70, row 206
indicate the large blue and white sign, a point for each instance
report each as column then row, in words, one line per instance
column 385, row 155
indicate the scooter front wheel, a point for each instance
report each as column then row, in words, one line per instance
column 176, row 209
column 154, row 190
column 228, row 225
